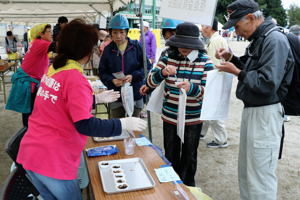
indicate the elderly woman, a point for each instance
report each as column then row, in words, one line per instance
column 61, row 120
column 184, row 66
column 28, row 76
column 168, row 27
column 122, row 55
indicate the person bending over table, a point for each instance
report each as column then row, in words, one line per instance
column 61, row 119
column 28, row 76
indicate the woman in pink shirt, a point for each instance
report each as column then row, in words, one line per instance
column 61, row 120
column 36, row 61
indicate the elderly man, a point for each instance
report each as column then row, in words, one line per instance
column 217, row 126
column 150, row 42
column 264, row 73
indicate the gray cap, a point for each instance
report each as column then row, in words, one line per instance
column 295, row 29
column 238, row 9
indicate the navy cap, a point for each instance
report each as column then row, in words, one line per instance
column 238, row 9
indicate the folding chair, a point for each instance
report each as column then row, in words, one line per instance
column 17, row 186
column 13, row 144
column 18, row 177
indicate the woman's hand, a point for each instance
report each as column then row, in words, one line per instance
column 169, row 70
column 151, row 60
column 118, row 82
column 184, row 85
column 128, row 79
column 107, row 96
column 144, row 90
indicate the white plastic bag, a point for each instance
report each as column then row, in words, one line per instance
column 181, row 114
column 216, row 98
column 156, row 100
column 96, row 60
column 127, row 99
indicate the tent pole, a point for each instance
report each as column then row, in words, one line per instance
column 97, row 11
column 140, row 15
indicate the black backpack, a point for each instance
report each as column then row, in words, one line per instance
column 291, row 101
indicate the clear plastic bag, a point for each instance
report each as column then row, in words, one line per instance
column 179, row 193
column 127, row 99
column 155, row 102
column 102, row 151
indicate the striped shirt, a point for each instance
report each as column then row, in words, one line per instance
column 193, row 71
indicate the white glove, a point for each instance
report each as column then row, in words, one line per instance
column 107, row 96
column 133, row 124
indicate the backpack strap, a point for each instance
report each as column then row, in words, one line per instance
column 295, row 47
column 273, row 29
column 281, row 142
column 260, row 41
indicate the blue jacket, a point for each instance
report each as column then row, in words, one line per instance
column 19, row 99
column 131, row 62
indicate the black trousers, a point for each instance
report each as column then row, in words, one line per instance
column 183, row 156
column 25, row 116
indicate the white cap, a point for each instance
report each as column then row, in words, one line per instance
column 146, row 24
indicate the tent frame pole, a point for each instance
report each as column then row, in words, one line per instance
column 140, row 15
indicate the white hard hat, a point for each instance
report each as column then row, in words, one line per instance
column 146, row 24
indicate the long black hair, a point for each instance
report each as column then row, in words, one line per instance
column 75, row 41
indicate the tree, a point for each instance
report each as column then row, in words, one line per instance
column 274, row 8
column 222, row 10
column 269, row 7
column 294, row 15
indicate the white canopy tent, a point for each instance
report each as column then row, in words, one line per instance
column 29, row 12
column 37, row 11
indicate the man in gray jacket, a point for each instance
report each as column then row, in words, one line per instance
column 264, row 73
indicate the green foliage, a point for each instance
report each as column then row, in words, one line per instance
column 269, row 7
column 294, row 15
column 221, row 10
column 274, row 8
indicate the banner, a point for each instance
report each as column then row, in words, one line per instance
column 196, row 11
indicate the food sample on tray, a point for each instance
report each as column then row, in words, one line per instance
column 124, row 175
column 122, row 186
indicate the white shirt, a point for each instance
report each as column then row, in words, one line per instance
column 216, row 42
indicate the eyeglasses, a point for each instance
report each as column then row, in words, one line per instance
column 229, row 13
